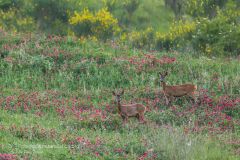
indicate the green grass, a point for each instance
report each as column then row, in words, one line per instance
column 89, row 69
column 133, row 139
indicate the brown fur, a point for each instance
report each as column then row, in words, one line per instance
column 177, row 90
column 130, row 110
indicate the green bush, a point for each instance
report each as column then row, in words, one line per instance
column 12, row 20
column 52, row 15
column 219, row 36
column 203, row 8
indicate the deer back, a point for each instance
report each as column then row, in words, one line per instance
column 180, row 90
column 132, row 109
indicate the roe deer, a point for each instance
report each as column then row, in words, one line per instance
column 177, row 90
column 129, row 110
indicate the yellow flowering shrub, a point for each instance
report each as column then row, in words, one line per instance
column 181, row 28
column 101, row 24
column 178, row 33
column 85, row 15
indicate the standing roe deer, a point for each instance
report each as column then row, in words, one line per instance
column 129, row 110
column 177, row 90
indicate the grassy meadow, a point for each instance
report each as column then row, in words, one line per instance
column 56, row 101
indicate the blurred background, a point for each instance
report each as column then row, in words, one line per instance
column 209, row 26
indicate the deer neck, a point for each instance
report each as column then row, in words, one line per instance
column 163, row 84
column 119, row 107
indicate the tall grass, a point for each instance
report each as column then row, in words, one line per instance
column 49, row 74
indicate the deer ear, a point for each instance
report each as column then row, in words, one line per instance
column 122, row 91
column 166, row 73
column 113, row 93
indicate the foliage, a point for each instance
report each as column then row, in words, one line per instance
column 130, row 6
column 6, row 4
column 101, row 24
column 195, row 8
column 180, row 32
column 204, row 8
column 52, row 15
column 204, row 35
column 110, row 4
column 219, row 36
column 177, row 6
column 141, row 39
column 12, row 20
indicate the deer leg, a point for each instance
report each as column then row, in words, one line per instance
column 141, row 118
column 167, row 101
column 192, row 97
column 124, row 119
column 170, row 102
column 138, row 116
column 193, row 100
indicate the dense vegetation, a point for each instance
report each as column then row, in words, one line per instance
column 57, row 92
column 60, row 60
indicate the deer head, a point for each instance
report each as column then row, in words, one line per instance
column 162, row 76
column 118, row 95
